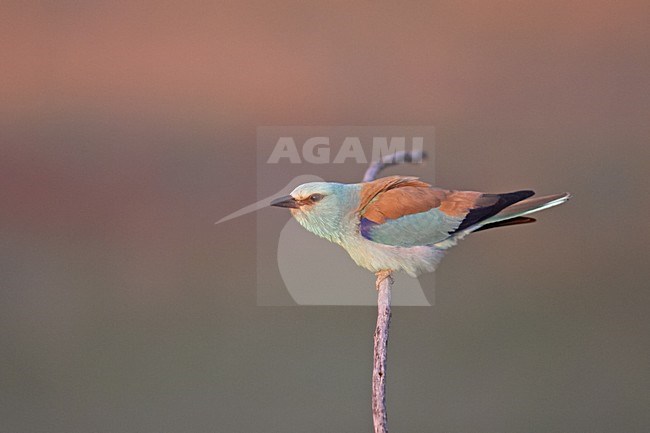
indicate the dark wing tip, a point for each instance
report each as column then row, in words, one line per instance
column 502, row 201
column 513, row 197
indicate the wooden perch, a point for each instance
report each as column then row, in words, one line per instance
column 394, row 158
column 384, row 284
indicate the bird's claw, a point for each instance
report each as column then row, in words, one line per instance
column 381, row 276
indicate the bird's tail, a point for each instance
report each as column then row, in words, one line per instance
column 526, row 207
column 514, row 214
column 511, row 215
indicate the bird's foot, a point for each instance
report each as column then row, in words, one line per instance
column 381, row 276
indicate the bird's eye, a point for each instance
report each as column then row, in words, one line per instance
column 316, row 197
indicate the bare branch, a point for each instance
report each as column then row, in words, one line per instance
column 379, row 417
column 395, row 158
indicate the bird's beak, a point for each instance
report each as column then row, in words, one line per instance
column 286, row 201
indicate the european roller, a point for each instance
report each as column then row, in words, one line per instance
column 400, row 223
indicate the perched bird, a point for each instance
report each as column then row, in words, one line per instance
column 400, row 223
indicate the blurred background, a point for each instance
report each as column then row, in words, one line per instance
column 128, row 128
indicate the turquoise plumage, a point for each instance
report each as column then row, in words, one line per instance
column 423, row 228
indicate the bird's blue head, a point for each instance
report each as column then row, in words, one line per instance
column 321, row 207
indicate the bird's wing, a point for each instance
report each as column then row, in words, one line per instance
column 403, row 211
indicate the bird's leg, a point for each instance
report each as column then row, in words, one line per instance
column 381, row 276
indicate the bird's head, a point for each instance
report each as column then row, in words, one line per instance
column 319, row 207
